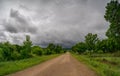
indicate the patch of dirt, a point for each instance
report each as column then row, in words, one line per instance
column 64, row 65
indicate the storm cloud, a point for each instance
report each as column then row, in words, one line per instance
column 62, row 22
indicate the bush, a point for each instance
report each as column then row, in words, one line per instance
column 25, row 54
column 37, row 51
column 15, row 55
column 48, row 52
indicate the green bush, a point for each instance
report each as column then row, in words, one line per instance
column 37, row 51
column 15, row 55
column 47, row 52
column 25, row 54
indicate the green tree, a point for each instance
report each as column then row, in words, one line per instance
column 79, row 48
column 103, row 45
column 51, row 48
column 112, row 45
column 26, row 50
column 91, row 40
column 58, row 49
column 47, row 51
column 37, row 50
column 112, row 15
column 7, row 51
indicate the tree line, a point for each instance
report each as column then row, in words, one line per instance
column 12, row 52
column 112, row 43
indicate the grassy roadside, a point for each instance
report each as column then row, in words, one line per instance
column 13, row 66
column 101, row 68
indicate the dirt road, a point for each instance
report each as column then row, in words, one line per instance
column 64, row 65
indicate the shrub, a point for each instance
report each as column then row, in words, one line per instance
column 15, row 55
column 25, row 54
column 48, row 52
column 37, row 51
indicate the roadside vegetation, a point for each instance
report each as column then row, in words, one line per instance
column 17, row 65
column 103, row 55
column 12, row 52
column 14, row 57
column 104, row 66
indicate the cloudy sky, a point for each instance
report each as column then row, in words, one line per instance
column 59, row 21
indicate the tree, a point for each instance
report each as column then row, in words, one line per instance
column 47, row 51
column 7, row 51
column 54, row 48
column 79, row 48
column 37, row 50
column 112, row 15
column 111, row 45
column 51, row 46
column 91, row 40
column 26, row 50
column 58, row 49
column 104, row 45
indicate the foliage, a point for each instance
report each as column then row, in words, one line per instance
column 13, row 66
column 37, row 50
column 112, row 15
column 79, row 48
column 103, row 69
column 11, row 52
column 53, row 48
column 88, row 46
column 110, row 44
column 58, row 49
column 26, row 51
column 91, row 40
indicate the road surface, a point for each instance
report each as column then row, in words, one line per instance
column 64, row 65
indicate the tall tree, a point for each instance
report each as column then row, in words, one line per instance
column 26, row 51
column 112, row 15
column 91, row 40
column 58, row 49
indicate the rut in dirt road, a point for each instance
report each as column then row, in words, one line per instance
column 64, row 65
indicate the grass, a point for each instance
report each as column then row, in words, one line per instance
column 13, row 66
column 102, row 69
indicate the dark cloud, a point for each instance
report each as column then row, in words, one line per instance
column 9, row 27
column 62, row 22
column 19, row 23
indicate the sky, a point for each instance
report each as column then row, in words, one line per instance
column 63, row 22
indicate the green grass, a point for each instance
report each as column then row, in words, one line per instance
column 13, row 66
column 102, row 69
